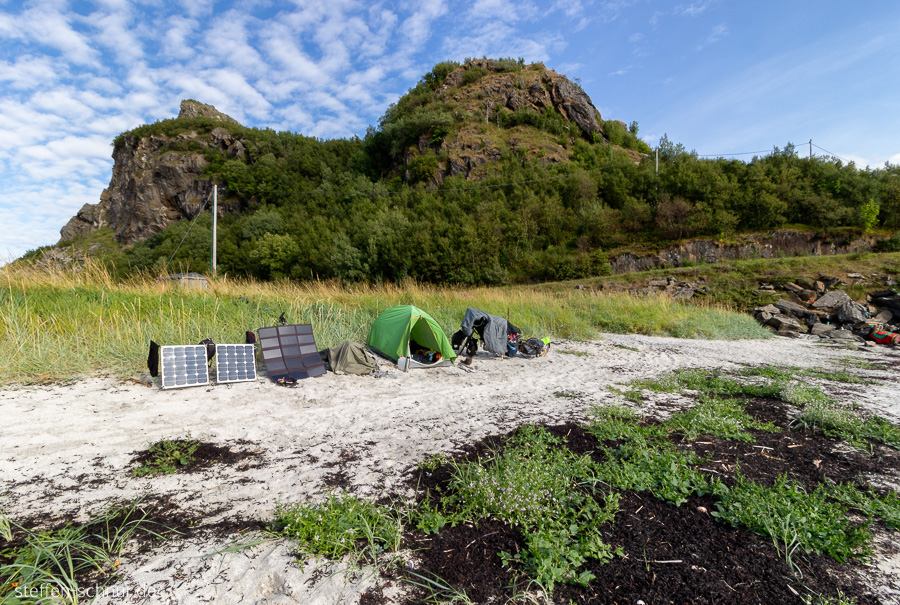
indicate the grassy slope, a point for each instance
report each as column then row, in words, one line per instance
column 60, row 324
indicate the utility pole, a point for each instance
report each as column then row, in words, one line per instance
column 657, row 175
column 810, row 150
column 215, row 216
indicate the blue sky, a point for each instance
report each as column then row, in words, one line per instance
column 719, row 76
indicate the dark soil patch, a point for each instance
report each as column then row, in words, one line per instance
column 673, row 555
column 205, row 456
column 807, row 457
column 466, row 558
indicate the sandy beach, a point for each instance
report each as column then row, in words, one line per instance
column 68, row 449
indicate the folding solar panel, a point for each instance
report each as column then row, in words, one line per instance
column 235, row 363
column 183, row 366
column 290, row 352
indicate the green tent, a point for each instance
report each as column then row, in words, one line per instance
column 393, row 329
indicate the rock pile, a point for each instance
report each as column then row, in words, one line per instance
column 819, row 310
column 664, row 286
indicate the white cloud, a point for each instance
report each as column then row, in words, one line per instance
column 28, row 73
column 116, row 35
column 510, row 11
column 227, row 43
column 197, row 8
column 181, row 34
column 417, row 28
column 693, row 9
column 282, row 48
column 62, row 102
column 46, row 26
column 571, row 8
column 716, row 35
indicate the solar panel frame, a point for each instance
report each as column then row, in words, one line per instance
column 290, row 352
column 235, row 363
column 183, row 366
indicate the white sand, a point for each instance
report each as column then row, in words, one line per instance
column 373, row 429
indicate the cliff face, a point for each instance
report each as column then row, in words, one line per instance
column 775, row 244
column 153, row 186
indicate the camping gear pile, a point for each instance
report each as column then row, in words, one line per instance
column 497, row 335
column 404, row 334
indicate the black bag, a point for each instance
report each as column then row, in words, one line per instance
column 471, row 344
column 210, row 348
column 153, row 359
column 533, row 347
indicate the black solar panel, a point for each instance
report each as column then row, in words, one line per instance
column 235, row 363
column 183, row 366
column 290, row 352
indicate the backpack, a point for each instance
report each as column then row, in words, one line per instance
column 533, row 347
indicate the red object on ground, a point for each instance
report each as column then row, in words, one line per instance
column 885, row 338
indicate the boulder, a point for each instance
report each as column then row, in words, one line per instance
column 832, row 300
column 851, row 312
column 887, row 301
column 683, row 293
column 843, row 336
column 791, row 308
column 788, row 333
column 820, row 329
column 782, row 323
column 770, row 309
column 884, row 317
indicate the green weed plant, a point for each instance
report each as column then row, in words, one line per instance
column 615, row 422
column 657, row 468
column 167, row 455
column 794, row 518
column 718, row 417
column 536, row 484
column 341, row 525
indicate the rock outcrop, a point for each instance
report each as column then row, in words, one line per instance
column 829, row 314
column 156, row 180
column 774, row 244
column 533, row 88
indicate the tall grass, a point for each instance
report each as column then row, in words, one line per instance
column 61, row 323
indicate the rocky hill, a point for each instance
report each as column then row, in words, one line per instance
column 157, row 179
column 461, row 118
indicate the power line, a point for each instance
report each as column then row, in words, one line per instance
column 725, row 155
column 830, row 153
column 199, row 212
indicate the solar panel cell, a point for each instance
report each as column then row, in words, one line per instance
column 235, row 363
column 290, row 352
column 183, row 366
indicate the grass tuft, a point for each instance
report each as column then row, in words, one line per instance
column 167, row 455
column 341, row 525
column 55, row 563
column 712, row 415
